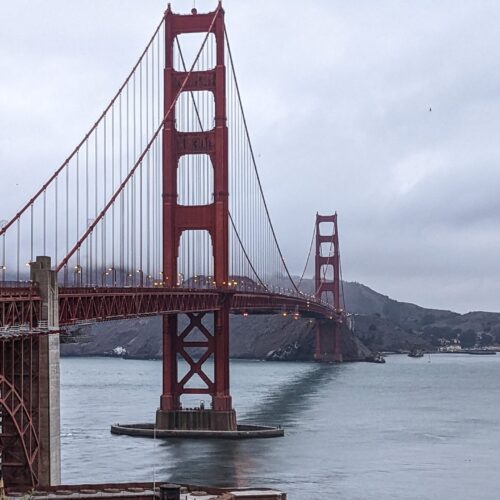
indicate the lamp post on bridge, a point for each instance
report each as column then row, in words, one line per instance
column 140, row 272
column 77, row 275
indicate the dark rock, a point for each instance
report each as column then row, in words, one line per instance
column 253, row 337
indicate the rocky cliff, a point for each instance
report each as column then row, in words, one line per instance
column 254, row 337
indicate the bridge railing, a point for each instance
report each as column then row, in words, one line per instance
column 16, row 284
column 196, row 287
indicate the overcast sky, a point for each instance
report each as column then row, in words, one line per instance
column 338, row 97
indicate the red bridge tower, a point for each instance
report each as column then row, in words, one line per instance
column 213, row 218
column 327, row 288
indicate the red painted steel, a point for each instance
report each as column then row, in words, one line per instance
column 103, row 304
column 19, row 305
column 19, row 408
column 328, row 289
column 183, row 346
column 213, row 218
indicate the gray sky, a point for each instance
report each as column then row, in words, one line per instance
column 337, row 95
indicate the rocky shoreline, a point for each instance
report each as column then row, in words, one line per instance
column 265, row 337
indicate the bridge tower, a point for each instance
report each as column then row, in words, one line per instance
column 327, row 288
column 213, row 218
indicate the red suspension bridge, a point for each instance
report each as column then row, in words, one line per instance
column 158, row 211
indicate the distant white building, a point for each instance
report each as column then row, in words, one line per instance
column 451, row 348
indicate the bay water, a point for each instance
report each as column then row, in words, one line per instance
column 425, row 428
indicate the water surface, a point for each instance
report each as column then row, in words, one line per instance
column 412, row 428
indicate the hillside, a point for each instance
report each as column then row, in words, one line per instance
column 385, row 324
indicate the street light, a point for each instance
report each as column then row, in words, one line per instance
column 112, row 270
column 77, row 275
column 141, row 276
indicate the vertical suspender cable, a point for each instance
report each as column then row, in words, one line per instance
column 148, row 164
column 67, row 225
column 78, row 267
column 141, row 119
column 87, row 214
column 18, row 247
column 113, row 264
column 3, row 257
column 133, row 231
column 128, row 190
column 56, row 222
column 104, row 198
column 31, row 234
column 122, row 198
column 45, row 222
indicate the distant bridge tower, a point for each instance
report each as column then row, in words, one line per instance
column 214, row 218
column 327, row 288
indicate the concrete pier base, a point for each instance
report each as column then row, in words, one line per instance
column 328, row 348
column 242, row 431
column 329, row 358
column 196, row 419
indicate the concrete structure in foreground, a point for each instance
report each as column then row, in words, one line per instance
column 49, row 381
column 139, row 491
column 241, row 432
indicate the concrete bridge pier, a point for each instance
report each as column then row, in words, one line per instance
column 49, row 472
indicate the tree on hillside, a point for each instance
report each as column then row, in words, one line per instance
column 445, row 332
column 486, row 339
column 468, row 339
column 427, row 319
column 496, row 334
column 392, row 310
column 435, row 342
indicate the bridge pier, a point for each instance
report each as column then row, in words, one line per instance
column 221, row 415
column 49, row 374
column 218, row 421
column 196, row 420
column 222, row 401
column 328, row 348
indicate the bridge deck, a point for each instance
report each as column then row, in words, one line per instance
column 21, row 305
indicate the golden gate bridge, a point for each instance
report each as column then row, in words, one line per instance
column 159, row 210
